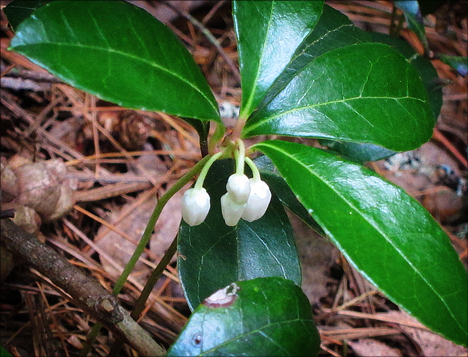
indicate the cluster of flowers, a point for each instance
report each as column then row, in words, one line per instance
column 245, row 198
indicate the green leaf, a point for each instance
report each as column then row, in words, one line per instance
column 360, row 93
column 117, row 52
column 281, row 189
column 4, row 353
column 203, row 129
column 356, row 152
column 368, row 152
column 414, row 20
column 387, row 235
column 19, row 10
column 333, row 30
column 212, row 254
column 423, row 66
column 259, row 317
column 268, row 33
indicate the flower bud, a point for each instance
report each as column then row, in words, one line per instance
column 258, row 201
column 238, row 187
column 231, row 210
column 195, row 206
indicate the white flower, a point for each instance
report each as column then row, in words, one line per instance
column 195, row 206
column 231, row 210
column 238, row 187
column 258, row 201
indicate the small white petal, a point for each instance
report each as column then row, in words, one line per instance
column 238, row 187
column 195, row 206
column 258, row 201
column 231, row 210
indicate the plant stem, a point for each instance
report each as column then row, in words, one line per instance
column 216, row 137
column 152, row 280
column 143, row 242
column 253, row 167
column 154, row 277
column 90, row 339
column 83, row 290
column 204, row 171
column 237, row 131
column 240, row 157
column 152, row 222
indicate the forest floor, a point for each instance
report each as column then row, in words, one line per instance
column 115, row 163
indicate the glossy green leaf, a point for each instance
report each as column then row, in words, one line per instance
column 369, row 152
column 19, row 10
column 423, row 66
column 203, row 129
column 414, row 19
column 281, row 189
column 387, row 235
column 268, row 34
column 117, row 52
column 259, row 317
column 360, row 93
column 357, row 152
column 333, row 30
column 212, row 254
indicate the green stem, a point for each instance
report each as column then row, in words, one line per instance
column 152, row 222
column 204, row 171
column 216, row 137
column 90, row 339
column 240, row 157
column 143, row 242
column 154, row 277
column 253, row 167
column 152, row 280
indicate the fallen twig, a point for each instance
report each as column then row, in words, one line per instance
column 87, row 293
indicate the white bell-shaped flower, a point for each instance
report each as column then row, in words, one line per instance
column 195, row 206
column 258, row 201
column 238, row 187
column 232, row 211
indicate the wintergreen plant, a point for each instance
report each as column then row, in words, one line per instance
column 306, row 71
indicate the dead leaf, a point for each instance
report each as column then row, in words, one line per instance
column 431, row 344
column 133, row 225
column 370, row 347
column 118, row 247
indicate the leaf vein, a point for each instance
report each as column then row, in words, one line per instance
column 151, row 63
column 416, row 271
column 313, row 106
